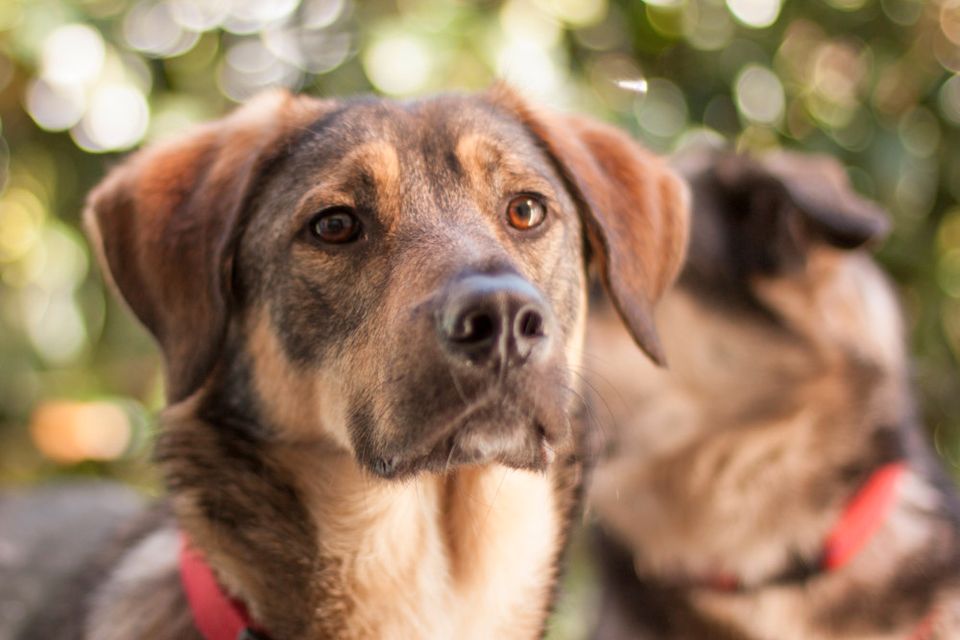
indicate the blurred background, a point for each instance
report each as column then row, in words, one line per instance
column 874, row 82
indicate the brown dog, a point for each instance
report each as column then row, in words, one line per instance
column 774, row 482
column 370, row 312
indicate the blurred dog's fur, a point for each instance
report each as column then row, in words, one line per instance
column 345, row 464
column 35, row 555
column 787, row 388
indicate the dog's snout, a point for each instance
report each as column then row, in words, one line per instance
column 486, row 318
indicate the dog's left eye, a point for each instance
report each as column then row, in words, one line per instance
column 526, row 212
column 336, row 226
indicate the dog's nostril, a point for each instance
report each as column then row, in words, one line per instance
column 491, row 319
column 530, row 324
column 475, row 326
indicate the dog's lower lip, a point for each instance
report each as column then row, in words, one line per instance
column 518, row 418
column 445, row 454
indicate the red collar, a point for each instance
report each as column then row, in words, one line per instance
column 216, row 615
column 863, row 516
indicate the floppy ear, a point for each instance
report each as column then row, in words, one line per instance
column 164, row 224
column 787, row 201
column 634, row 208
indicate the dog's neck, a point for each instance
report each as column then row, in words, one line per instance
column 316, row 547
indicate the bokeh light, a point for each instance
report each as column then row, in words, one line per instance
column 398, row 64
column 21, row 223
column 950, row 99
column 662, row 111
column 755, row 13
column 53, row 107
column 72, row 55
column 710, row 27
column 199, row 15
column 154, row 29
column 759, row 95
column 75, row 431
column 116, row 119
column 576, row 13
column 249, row 67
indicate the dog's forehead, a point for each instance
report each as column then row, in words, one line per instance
column 443, row 117
column 446, row 134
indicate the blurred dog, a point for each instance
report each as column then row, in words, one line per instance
column 774, row 483
column 369, row 312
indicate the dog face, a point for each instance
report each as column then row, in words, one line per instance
column 402, row 280
column 771, row 252
column 764, row 219
column 443, row 324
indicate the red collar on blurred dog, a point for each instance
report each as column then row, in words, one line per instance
column 216, row 615
column 861, row 519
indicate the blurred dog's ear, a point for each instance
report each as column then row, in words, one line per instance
column 634, row 208
column 784, row 202
column 164, row 223
column 819, row 187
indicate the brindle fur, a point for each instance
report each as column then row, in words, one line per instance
column 342, row 476
column 787, row 388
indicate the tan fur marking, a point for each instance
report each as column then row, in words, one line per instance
column 488, row 163
column 467, row 555
column 303, row 407
column 380, row 159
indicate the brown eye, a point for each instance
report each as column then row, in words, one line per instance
column 336, row 227
column 526, row 212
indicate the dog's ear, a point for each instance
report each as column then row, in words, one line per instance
column 165, row 220
column 785, row 202
column 635, row 209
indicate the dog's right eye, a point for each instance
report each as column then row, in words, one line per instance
column 525, row 212
column 335, row 226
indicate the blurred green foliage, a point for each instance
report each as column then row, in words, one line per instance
column 872, row 81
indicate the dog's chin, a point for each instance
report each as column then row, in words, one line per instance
column 519, row 439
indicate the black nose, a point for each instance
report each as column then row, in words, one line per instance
column 493, row 319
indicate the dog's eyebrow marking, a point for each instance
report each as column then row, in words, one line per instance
column 478, row 153
column 490, row 161
column 380, row 161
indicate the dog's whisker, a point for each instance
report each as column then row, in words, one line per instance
column 595, row 393
column 590, row 376
column 453, row 447
column 456, row 385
